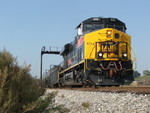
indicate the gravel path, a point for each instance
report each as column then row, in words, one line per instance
column 102, row 102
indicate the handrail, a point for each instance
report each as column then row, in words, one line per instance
column 134, row 58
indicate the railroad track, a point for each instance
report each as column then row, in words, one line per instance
column 137, row 90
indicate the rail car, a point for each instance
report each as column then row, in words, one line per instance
column 100, row 54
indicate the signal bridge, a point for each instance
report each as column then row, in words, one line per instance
column 48, row 50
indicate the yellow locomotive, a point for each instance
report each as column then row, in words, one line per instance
column 99, row 55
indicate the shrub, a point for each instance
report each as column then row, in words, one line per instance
column 17, row 87
column 45, row 105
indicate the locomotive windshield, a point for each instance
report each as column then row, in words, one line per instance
column 92, row 24
column 118, row 27
column 91, row 27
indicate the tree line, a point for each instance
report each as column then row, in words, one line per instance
column 145, row 73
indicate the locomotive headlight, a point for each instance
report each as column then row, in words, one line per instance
column 109, row 32
column 100, row 54
column 125, row 55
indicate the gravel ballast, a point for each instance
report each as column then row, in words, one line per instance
column 102, row 102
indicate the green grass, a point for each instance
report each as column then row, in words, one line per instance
column 147, row 78
column 143, row 81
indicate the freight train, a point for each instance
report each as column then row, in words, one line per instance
column 100, row 55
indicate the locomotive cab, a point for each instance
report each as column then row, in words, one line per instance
column 97, row 23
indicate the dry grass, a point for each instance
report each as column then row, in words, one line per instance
column 86, row 104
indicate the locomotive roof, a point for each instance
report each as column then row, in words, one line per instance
column 102, row 20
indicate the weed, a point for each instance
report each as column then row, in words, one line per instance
column 86, row 104
column 73, row 102
column 62, row 96
column 61, row 109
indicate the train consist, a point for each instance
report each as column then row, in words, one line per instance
column 100, row 54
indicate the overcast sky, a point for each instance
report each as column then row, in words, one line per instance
column 27, row 25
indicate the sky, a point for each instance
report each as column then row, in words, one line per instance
column 28, row 25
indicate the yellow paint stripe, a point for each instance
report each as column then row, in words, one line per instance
column 71, row 67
